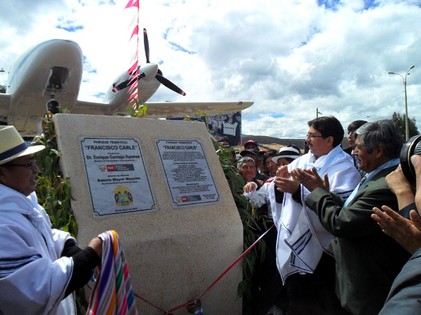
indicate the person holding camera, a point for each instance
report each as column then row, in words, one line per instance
column 405, row 228
column 367, row 260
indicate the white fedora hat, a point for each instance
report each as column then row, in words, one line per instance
column 13, row 146
column 286, row 152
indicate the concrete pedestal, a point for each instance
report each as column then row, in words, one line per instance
column 179, row 235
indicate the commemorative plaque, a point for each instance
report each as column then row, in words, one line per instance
column 116, row 174
column 187, row 172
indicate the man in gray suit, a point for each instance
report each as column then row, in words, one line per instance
column 367, row 261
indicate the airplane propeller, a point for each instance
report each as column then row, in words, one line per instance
column 146, row 44
column 159, row 76
column 146, row 71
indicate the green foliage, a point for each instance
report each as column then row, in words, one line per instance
column 412, row 126
column 138, row 110
column 200, row 117
column 253, row 224
column 54, row 192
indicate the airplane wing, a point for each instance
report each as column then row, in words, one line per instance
column 180, row 109
column 93, row 108
column 166, row 109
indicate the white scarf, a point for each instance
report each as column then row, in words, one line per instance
column 301, row 237
column 33, row 277
column 260, row 197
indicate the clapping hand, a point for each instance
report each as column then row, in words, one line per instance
column 310, row 179
column 404, row 231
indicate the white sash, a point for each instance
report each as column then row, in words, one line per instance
column 301, row 238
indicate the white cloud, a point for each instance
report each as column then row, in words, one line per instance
column 291, row 57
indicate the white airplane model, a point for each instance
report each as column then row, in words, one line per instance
column 50, row 75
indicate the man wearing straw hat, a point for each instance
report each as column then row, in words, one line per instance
column 39, row 266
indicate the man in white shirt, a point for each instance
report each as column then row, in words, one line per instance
column 306, row 268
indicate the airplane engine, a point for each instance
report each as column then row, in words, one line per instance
column 52, row 68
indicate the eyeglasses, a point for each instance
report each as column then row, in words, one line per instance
column 312, row 135
column 31, row 164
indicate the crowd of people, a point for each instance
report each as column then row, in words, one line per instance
column 346, row 219
column 347, row 237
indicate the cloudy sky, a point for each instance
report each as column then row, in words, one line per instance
column 291, row 57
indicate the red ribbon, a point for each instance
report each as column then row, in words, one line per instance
column 213, row 283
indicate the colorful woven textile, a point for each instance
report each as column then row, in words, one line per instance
column 113, row 293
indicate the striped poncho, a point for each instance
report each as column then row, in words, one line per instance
column 113, row 293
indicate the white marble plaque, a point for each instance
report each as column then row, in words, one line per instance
column 187, row 172
column 116, row 175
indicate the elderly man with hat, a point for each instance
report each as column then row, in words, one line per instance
column 39, row 266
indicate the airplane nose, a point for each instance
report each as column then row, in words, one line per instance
column 150, row 70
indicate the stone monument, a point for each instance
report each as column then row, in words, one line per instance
column 160, row 185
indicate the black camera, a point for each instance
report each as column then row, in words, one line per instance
column 410, row 148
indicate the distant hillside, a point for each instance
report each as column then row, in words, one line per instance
column 264, row 140
column 272, row 140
